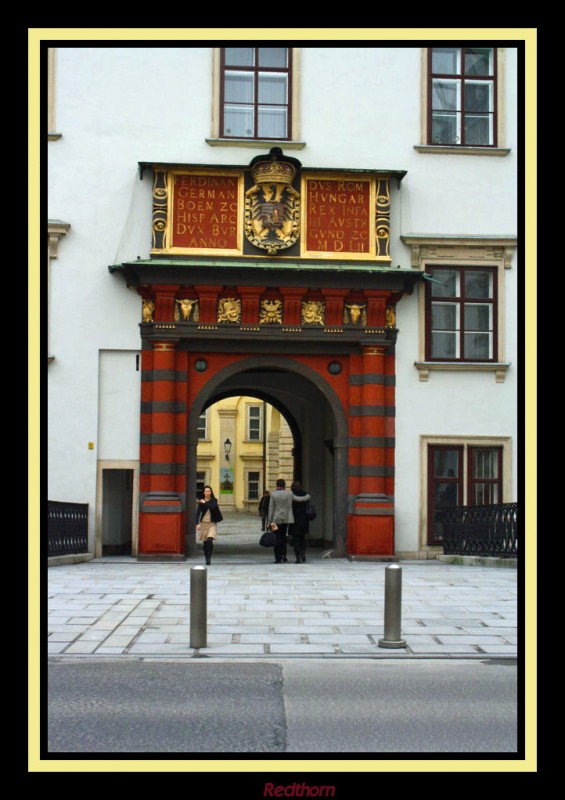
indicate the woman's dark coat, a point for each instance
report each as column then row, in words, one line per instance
column 215, row 513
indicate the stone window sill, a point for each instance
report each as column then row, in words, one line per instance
column 499, row 368
column 262, row 143
column 52, row 136
column 461, row 151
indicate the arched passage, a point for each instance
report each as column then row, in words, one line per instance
column 319, row 426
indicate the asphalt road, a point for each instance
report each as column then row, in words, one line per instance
column 300, row 706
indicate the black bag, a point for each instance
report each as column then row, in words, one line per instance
column 268, row 539
column 310, row 511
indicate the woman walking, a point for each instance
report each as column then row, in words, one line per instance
column 208, row 514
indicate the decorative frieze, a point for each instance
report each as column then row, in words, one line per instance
column 148, row 307
column 187, row 310
column 270, row 208
column 355, row 314
column 270, row 312
column 229, row 310
column 313, row 312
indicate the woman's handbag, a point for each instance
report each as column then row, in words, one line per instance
column 268, row 539
column 310, row 511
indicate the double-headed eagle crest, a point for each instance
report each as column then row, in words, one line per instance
column 272, row 205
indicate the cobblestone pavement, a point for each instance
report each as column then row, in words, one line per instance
column 120, row 607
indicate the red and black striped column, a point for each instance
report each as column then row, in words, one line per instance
column 371, row 523
column 161, row 512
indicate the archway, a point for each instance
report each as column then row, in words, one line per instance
column 319, row 426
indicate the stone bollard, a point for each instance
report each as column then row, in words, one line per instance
column 198, row 607
column 393, row 604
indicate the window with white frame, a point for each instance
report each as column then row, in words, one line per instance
column 202, row 428
column 255, row 92
column 463, row 473
column 252, row 484
column 461, row 314
column 462, row 96
column 254, row 431
column 202, row 480
column 464, row 311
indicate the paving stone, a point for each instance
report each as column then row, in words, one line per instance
column 327, row 606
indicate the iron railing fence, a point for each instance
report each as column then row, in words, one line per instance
column 67, row 528
column 481, row 530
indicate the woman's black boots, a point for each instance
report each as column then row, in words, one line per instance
column 208, row 547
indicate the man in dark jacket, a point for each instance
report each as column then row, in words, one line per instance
column 299, row 529
column 280, row 513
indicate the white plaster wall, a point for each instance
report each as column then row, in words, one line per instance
column 118, row 405
column 449, row 403
column 360, row 109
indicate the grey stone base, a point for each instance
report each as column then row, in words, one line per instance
column 372, row 558
column 72, row 558
column 161, row 557
column 480, row 561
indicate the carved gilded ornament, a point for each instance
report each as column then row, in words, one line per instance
column 159, row 226
column 186, row 307
column 390, row 317
column 382, row 219
column 272, row 206
column 147, row 310
column 312, row 312
column 355, row 314
column 270, row 312
column 229, row 309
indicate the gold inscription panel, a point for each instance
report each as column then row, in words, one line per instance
column 206, row 213
column 338, row 217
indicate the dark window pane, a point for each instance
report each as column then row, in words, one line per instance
column 479, row 61
column 445, row 95
column 478, row 130
column 253, row 485
column 485, row 494
column 272, row 122
column 478, row 96
column 478, row 317
column 444, row 317
column 478, row 284
column 446, row 60
column 445, row 495
column 485, row 463
column 478, row 345
column 240, row 56
column 445, row 128
column 238, row 121
column 446, row 463
column 273, row 57
column 445, row 283
column 444, row 345
column 272, row 88
column 239, row 87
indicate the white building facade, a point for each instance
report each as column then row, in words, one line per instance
column 384, row 451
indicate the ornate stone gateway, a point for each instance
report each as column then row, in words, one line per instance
column 275, row 279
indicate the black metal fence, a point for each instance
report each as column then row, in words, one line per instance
column 481, row 530
column 67, row 528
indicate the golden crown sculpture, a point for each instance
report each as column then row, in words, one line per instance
column 273, row 172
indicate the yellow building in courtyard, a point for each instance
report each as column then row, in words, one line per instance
column 244, row 446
